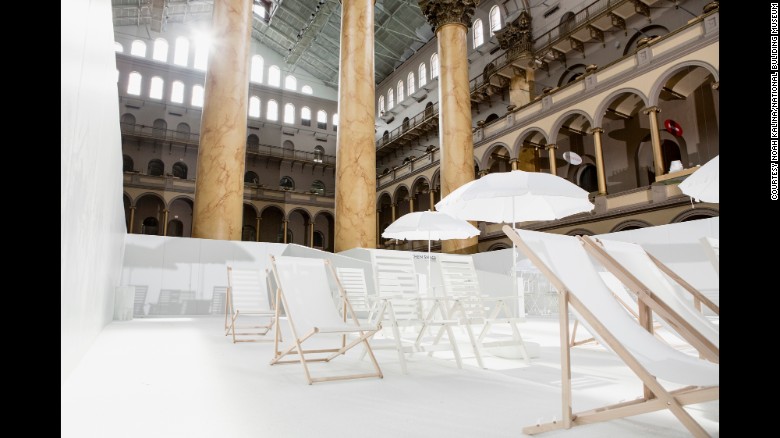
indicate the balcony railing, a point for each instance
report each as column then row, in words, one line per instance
column 425, row 116
column 151, row 132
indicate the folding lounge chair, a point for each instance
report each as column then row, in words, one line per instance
column 245, row 296
column 641, row 273
column 304, row 292
column 399, row 303
column 469, row 306
column 566, row 263
column 354, row 282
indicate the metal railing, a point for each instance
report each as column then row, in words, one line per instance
column 418, row 119
column 159, row 133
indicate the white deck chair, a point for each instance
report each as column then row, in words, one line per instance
column 304, row 292
column 465, row 302
column 641, row 274
column 354, row 282
column 399, row 303
column 568, row 266
column 712, row 248
column 245, row 296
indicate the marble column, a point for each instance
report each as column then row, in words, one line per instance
column 355, row 148
column 219, row 183
column 451, row 20
column 655, row 137
column 257, row 226
column 165, row 222
column 132, row 220
column 551, row 156
column 600, row 171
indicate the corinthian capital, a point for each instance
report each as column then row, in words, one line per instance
column 441, row 12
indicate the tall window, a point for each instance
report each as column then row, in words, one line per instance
column 381, row 105
column 134, row 83
column 118, row 47
column 254, row 106
column 335, row 121
column 181, row 52
column 177, row 92
column 272, row 111
column 289, row 113
column 319, row 151
column 434, row 65
column 160, row 52
column 201, row 53
column 156, row 88
column 495, row 20
column 305, row 116
column 274, row 77
column 138, row 48
column 410, row 83
column 307, row 90
column 290, row 83
column 257, row 69
column 390, row 99
column 197, row 96
column 400, row 88
column 422, row 75
column 322, row 119
column 477, row 29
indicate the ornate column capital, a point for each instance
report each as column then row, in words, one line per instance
column 441, row 12
column 650, row 109
column 595, row 130
column 550, row 146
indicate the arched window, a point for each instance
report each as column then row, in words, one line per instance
column 318, row 239
column 317, row 187
column 434, row 65
column 289, row 113
column 495, row 20
column 254, row 106
column 400, row 89
column 177, row 92
column 567, row 22
column 150, row 225
column 182, row 131
column 305, row 116
column 197, row 96
column 181, row 52
column 127, row 163
column 274, row 77
column 335, row 121
column 478, row 36
column 118, row 47
column 410, row 83
column 160, row 52
column 290, row 83
column 179, row 170
column 155, row 168
column 257, row 69
column 134, row 83
column 422, row 75
column 175, row 228
column 272, row 111
column 138, row 48
column 201, row 60
column 381, row 105
column 390, row 101
column 251, row 177
column 287, row 183
column 159, row 126
column 156, row 88
column 307, row 90
column 405, row 124
column 319, row 152
column 322, row 119
column 252, row 142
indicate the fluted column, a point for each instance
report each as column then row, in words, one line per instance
column 355, row 149
column 219, row 183
column 450, row 20
column 551, row 154
column 655, row 137
column 600, row 170
column 132, row 220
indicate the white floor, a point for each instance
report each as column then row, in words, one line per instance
column 166, row 377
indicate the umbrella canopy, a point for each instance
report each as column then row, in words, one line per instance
column 429, row 225
column 704, row 184
column 516, row 196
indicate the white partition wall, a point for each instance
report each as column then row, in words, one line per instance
column 91, row 214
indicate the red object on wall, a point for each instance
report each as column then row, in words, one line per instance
column 673, row 127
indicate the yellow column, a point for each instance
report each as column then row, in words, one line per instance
column 514, row 163
column 655, row 137
column 257, row 222
column 551, row 154
column 132, row 220
column 284, row 230
column 165, row 222
column 392, row 212
column 600, row 170
column 355, row 149
column 451, row 20
column 432, row 198
column 311, row 234
column 411, row 204
column 219, row 183
column 378, row 236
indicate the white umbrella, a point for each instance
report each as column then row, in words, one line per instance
column 429, row 225
column 704, row 184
